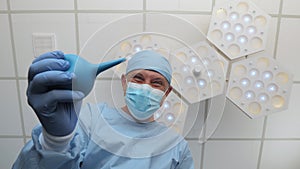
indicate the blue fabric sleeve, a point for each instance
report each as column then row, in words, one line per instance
column 187, row 161
column 34, row 156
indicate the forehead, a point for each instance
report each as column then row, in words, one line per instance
column 147, row 74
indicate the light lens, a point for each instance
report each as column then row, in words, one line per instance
column 234, row 16
column 267, row 75
column 253, row 72
column 167, row 104
column 258, row 84
column 189, row 80
column 251, row 30
column 245, row 82
column 247, row 19
column 137, row 48
column 263, row 97
column 170, row 117
column 202, row 83
column 272, row 87
column 229, row 37
column 225, row 25
column 249, row 95
column 238, row 28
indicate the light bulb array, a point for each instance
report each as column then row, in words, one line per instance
column 173, row 113
column 199, row 71
column 238, row 28
column 259, row 86
column 256, row 85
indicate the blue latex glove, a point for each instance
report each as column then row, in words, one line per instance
column 50, row 93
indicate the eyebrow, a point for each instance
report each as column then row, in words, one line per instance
column 155, row 78
column 137, row 74
column 158, row 78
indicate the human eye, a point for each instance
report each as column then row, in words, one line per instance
column 157, row 84
column 138, row 78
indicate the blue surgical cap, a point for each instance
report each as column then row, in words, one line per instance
column 150, row 60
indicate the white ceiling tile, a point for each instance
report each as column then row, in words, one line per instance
column 10, row 124
column 231, row 154
column 110, row 4
column 281, row 154
column 236, row 124
column 10, row 148
column 42, row 5
column 3, row 4
column 7, row 63
column 291, row 7
column 288, row 46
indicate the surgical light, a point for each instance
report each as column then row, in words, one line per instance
column 200, row 72
column 259, row 86
column 238, row 28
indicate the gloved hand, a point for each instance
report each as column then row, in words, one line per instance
column 50, row 93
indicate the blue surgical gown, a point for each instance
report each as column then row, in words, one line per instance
column 106, row 138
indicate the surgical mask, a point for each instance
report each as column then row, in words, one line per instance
column 142, row 100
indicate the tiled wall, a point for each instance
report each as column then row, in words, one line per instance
column 272, row 142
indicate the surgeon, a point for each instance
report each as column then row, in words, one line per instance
column 97, row 136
